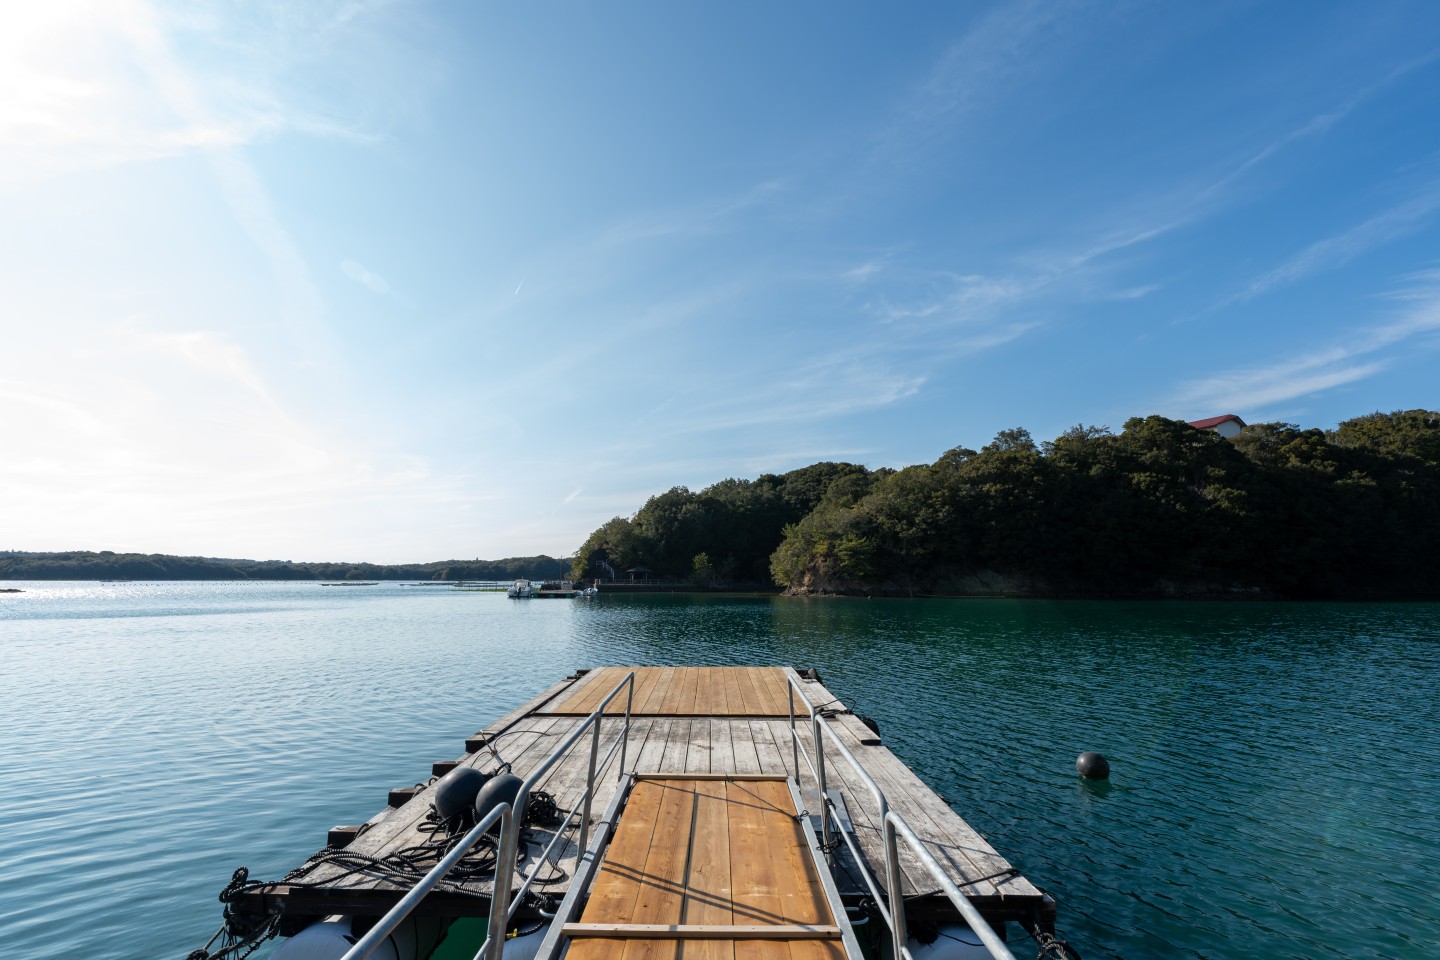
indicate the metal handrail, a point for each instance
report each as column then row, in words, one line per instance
column 512, row 820
column 386, row 925
column 892, row 826
column 982, row 929
column 522, row 796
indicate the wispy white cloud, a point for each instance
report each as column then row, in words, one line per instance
column 1363, row 354
column 979, row 67
column 837, row 384
column 1320, row 123
column 1332, row 252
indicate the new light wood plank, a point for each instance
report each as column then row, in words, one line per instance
column 734, row 702
column 708, row 894
column 692, row 690
column 711, row 700
column 656, row 687
column 764, row 703
column 752, row 875
column 617, row 884
column 662, row 889
column 816, row 950
column 673, row 679
column 802, row 896
column 749, row 697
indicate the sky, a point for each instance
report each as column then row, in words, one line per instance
column 403, row 281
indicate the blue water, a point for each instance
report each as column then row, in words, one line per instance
column 1276, row 767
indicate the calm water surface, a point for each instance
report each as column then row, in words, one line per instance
column 1275, row 786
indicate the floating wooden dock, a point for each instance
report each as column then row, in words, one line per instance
column 716, row 837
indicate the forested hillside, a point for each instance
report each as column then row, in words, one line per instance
column 107, row 565
column 1159, row 509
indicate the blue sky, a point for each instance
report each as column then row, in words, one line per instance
column 421, row 281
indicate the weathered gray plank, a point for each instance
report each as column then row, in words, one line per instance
column 651, row 755
column 722, row 749
column 742, row 747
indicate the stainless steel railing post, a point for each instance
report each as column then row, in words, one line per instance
column 794, row 734
column 815, row 721
column 624, row 735
column 893, row 881
column 500, row 897
column 397, row 914
column 589, row 789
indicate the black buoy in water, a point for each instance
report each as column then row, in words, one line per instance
column 1093, row 766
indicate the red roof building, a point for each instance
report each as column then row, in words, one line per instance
column 1227, row 425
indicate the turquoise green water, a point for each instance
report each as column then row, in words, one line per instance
column 1276, row 767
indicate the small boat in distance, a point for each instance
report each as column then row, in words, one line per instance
column 520, row 589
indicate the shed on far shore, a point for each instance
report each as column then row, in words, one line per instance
column 1227, row 425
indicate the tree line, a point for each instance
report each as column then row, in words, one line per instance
column 108, row 565
column 1160, row 508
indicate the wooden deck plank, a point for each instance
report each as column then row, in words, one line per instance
column 682, row 691
column 722, row 749
column 764, row 703
column 770, row 758
column 662, row 889
column 734, row 702
column 752, row 874
column 695, row 689
column 708, row 896
column 712, row 700
column 864, row 814
column 655, row 684
column 742, row 747
column 589, row 692
column 677, row 746
column 952, row 841
column 802, row 898
column 651, row 756
column 617, row 884
column 672, row 679
column 697, row 751
column 745, row 683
